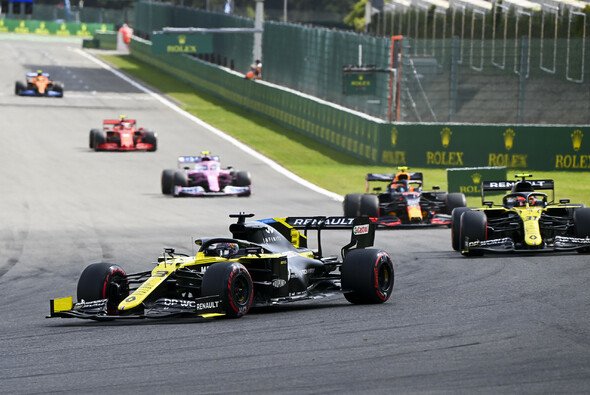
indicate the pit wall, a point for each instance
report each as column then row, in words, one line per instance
column 539, row 147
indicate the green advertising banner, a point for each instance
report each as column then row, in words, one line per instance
column 468, row 180
column 52, row 28
column 359, row 83
column 169, row 43
column 541, row 147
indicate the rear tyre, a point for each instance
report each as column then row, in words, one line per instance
column 367, row 276
column 167, row 181
column 369, row 206
column 232, row 282
column 474, row 227
column 243, row 179
column 103, row 281
column 352, row 204
column 582, row 225
column 151, row 138
column 19, row 87
column 456, row 227
column 91, row 140
column 454, row 200
column 99, row 138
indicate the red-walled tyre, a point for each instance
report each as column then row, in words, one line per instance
column 367, row 276
column 103, row 281
column 232, row 282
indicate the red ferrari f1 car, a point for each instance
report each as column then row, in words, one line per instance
column 122, row 135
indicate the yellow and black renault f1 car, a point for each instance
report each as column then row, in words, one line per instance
column 263, row 263
column 526, row 221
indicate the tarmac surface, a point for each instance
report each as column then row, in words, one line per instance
column 497, row 324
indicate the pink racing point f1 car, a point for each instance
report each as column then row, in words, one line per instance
column 203, row 175
column 122, row 135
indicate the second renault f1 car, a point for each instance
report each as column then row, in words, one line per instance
column 38, row 84
column 262, row 263
column 404, row 203
column 122, row 135
column 526, row 221
column 203, row 175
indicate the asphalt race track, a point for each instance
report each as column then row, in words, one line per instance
column 510, row 324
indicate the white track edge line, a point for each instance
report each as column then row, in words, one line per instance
column 271, row 163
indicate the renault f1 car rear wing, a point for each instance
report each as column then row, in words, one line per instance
column 503, row 185
column 363, row 230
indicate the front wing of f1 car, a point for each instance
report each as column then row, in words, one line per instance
column 206, row 307
column 392, row 221
column 198, row 191
column 506, row 244
column 33, row 92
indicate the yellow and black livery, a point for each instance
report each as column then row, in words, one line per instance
column 264, row 262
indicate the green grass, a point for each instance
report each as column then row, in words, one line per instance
column 323, row 166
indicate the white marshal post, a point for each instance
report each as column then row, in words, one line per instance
column 258, row 24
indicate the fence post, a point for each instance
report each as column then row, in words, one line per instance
column 454, row 76
column 522, row 77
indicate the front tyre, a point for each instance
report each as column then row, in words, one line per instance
column 151, row 138
column 243, row 179
column 473, row 227
column 456, row 227
column 91, row 140
column 233, row 284
column 367, row 276
column 103, row 281
column 167, row 181
column 582, row 224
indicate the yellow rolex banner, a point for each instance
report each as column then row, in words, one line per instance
column 46, row 28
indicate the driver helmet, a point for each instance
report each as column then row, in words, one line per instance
column 39, row 73
column 520, row 201
column 222, row 249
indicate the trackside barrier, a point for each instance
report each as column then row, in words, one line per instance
column 539, row 147
column 352, row 133
column 442, row 145
column 52, row 28
column 103, row 40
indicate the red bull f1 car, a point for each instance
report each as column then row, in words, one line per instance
column 122, row 135
column 203, row 175
column 404, row 204
column 262, row 263
column 526, row 221
column 38, row 84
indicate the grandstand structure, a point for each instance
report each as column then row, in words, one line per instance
column 521, row 61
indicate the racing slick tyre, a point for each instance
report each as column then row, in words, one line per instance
column 242, row 179
column 91, row 140
column 59, row 88
column 232, row 282
column 103, row 281
column 180, row 179
column 367, row 276
column 151, row 138
column 167, row 181
column 19, row 87
column 352, row 204
column 454, row 200
column 369, row 206
column 456, row 227
column 473, row 225
column 582, row 224
column 99, row 138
